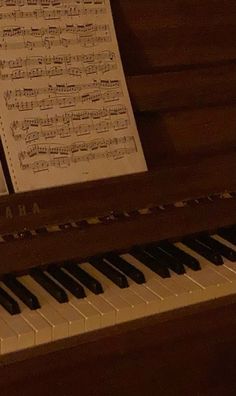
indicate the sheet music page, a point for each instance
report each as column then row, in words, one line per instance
column 3, row 185
column 65, row 112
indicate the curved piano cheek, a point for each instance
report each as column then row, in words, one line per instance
column 62, row 300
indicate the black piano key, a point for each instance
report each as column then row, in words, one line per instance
column 21, row 292
column 86, row 279
column 204, row 251
column 149, row 262
column 110, row 272
column 219, row 247
column 165, row 259
column 128, row 269
column 228, row 233
column 179, row 254
column 67, row 281
column 9, row 303
column 48, row 284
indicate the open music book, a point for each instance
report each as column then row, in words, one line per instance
column 65, row 111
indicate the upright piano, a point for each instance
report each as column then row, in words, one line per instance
column 153, row 253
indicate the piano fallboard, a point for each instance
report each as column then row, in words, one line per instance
column 21, row 213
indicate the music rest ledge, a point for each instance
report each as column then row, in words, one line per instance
column 183, row 92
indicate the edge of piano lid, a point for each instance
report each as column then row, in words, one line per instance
column 181, row 73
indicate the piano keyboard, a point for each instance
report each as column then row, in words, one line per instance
column 44, row 306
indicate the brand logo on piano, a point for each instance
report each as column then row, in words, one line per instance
column 21, row 210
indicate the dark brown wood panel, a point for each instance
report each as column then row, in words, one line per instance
column 194, row 132
column 157, row 34
column 204, row 86
column 167, row 356
column 196, row 178
column 120, row 235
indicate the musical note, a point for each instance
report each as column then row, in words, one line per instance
column 69, row 119
column 60, row 89
column 64, row 59
column 51, row 14
column 64, row 101
column 50, row 3
column 87, row 35
column 65, row 112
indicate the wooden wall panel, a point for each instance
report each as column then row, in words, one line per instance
column 185, row 89
column 191, row 133
column 156, row 34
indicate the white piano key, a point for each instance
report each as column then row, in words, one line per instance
column 106, row 310
column 151, row 291
column 152, row 300
column 8, row 338
column 230, row 265
column 184, row 290
column 91, row 316
column 122, row 308
column 42, row 329
column 224, row 241
column 207, row 276
column 153, row 281
column 231, row 270
column 187, row 284
column 59, row 324
column 155, row 285
column 211, row 278
column 225, row 270
column 138, row 305
column 76, row 322
column 177, row 284
column 25, row 333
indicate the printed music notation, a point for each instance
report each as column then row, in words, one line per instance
column 50, row 3
column 61, row 89
column 53, row 14
column 65, row 60
column 87, row 35
column 72, row 123
column 62, row 82
column 63, row 156
column 64, row 101
column 61, row 65
column 64, row 162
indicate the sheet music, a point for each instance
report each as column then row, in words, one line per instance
column 65, row 112
column 3, row 185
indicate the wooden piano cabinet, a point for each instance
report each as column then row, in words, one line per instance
column 188, row 352
column 180, row 63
